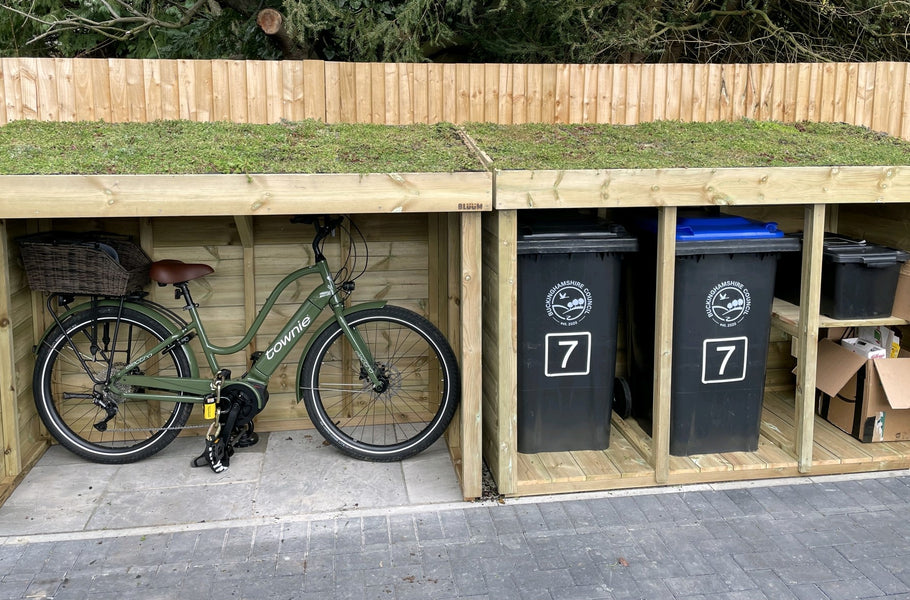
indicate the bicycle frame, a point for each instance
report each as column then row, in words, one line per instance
column 197, row 390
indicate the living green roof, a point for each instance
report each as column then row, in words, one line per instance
column 32, row 147
column 666, row 144
column 168, row 147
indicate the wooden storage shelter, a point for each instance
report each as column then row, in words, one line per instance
column 424, row 236
column 864, row 202
column 237, row 220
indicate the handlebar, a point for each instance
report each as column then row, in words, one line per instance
column 324, row 225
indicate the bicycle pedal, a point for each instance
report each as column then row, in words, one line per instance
column 217, row 456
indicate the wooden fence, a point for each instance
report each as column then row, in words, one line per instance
column 871, row 94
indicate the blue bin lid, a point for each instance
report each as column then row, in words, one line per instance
column 702, row 229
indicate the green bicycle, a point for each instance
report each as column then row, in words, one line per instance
column 115, row 379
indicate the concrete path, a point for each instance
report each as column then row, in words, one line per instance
column 294, row 519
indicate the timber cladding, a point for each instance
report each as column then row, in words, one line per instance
column 118, row 90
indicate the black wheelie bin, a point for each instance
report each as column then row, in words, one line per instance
column 569, row 273
column 724, row 287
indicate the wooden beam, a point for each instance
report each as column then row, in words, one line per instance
column 9, row 422
column 807, row 350
column 663, row 341
column 700, row 187
column 101, row 196
column 471, row 367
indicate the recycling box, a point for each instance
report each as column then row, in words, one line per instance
column 724, row 284
column 569, row 273
column 859, row 278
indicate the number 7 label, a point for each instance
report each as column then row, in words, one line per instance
column 567, row 354
column 724, row 360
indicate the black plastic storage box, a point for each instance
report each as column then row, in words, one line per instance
column 859, row 279
column 725, row 269
column 569, row 272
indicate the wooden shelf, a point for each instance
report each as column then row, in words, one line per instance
column 785, row 316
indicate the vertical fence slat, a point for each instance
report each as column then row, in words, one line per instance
column 392, row 92
column 274, row 90
column 519, row 94
column 120, row 110
column 905, row 105
column 202, row 88
column 221, row 90
column 506, row 94
column 170, row 90
column 534, row 94
column 347, row 93
column 659, row 94
column 48, row 102
column 151, row 73
column 4, row 80
column 28, row 87
column 828, row 94
column 238, row 110
column 314, row 90
column 292, row 90
column 633, row 95
column 436, row 93
column 135, row 91
column 83, row 90
column 421, row 93
column 363, row 91
column 377, row 93
column 678, row 93
column 332, row 97
column 405, row 93
column 865, row 94
column 101, row 89
column 490, row 93
column 618, row 103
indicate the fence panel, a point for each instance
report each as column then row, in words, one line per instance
column 55, row 89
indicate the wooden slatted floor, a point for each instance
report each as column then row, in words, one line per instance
column 626, row 463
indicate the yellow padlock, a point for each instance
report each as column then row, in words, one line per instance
column 210, row 408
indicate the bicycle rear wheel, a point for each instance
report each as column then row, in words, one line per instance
column 78, row 405
column 420, row 379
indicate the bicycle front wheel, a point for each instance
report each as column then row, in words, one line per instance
column 81, row 408
column 419, row 394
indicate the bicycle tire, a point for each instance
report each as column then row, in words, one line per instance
column 411, row 414
column 63, row 389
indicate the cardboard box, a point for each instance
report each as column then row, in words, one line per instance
column 869, row 399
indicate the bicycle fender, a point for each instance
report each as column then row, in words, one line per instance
column 141, row 308
column 309, row 343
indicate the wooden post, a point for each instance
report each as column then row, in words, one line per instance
column 807, row 352
column 471, row 368
column 663, row 341
column 9, row 434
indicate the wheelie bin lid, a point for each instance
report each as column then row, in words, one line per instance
column 727, row 234
column 562, row 236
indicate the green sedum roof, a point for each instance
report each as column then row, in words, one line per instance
column 666, row 144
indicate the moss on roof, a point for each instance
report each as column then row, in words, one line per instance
column 166, row 147
column 665, row 144
column 31, row 147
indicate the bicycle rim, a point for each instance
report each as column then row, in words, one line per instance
column 112, row 429
column 414, row 408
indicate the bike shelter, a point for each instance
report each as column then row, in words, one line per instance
column 446, row 243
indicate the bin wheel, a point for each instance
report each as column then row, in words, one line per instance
column 622, row 397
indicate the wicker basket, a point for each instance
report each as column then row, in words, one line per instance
column 96, row 264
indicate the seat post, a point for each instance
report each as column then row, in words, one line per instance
column 182, row 290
